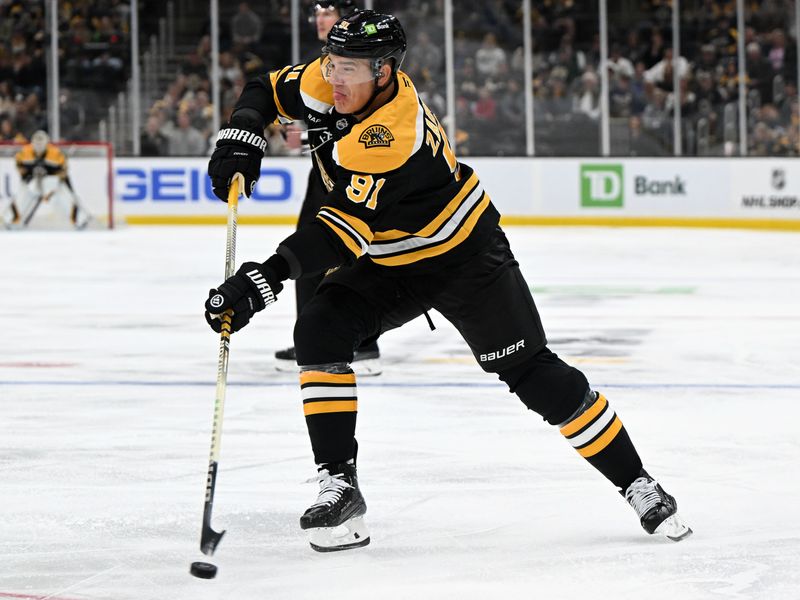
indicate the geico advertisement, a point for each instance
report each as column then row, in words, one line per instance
column 177, row 186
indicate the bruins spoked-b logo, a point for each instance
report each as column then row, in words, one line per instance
column 375, row 136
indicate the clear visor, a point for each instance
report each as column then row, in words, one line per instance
column 341, row 70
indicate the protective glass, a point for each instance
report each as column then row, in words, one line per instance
column 342, row 70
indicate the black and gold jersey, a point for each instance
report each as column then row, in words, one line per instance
column 52, row 161
column 396, row 192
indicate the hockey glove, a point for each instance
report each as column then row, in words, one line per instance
column 240, row 148
column 254, row 286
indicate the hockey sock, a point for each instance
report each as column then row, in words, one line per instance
column 597, row 433
column 330, row 405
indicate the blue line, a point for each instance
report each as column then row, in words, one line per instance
column 396, row 384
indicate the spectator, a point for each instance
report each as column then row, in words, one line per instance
column 777, row 52
column 759, row 72
column 153, row 142
column 639, row 142
column 661, row 74
column 185, row 140
column 621, row 103
column 485, row 109
column 587, row 101
column 489, row 56
column 655, row 50
column 425, row 56
column 618, row 64
column 229, row 67
column 7, row 132
column 246, row 26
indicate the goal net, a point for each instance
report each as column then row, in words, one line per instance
column 89, row 166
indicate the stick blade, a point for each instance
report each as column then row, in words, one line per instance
column 209, row 540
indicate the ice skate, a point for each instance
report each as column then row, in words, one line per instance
column 80, row 219
column 335, row 521
column 657, row 510
column 366, row 361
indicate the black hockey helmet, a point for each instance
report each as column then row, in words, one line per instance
column 368, row 34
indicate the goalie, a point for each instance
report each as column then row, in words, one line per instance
column 42, row 168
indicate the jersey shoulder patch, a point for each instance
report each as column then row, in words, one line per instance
column 388, row 137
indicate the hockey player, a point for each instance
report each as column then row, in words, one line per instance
column 42, row 169
column 411, row 229
column 366, row 361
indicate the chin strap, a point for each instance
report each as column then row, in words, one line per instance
column 378, row 89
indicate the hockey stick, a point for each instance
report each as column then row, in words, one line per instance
column 41, row 198
column 209, row 539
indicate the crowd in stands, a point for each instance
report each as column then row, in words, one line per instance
column 490, row 79
column 489, row 73
column 93, row 57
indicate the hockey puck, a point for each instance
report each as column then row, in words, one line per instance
column 203, row 570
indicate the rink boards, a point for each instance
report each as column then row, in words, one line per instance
column 721, row 192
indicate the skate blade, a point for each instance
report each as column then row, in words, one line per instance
column 286, row 366
column 350, row 534
column 673, row 528
column 369, row 367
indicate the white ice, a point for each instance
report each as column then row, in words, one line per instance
column 107, row 373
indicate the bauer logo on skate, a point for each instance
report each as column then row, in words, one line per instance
column 503, row 352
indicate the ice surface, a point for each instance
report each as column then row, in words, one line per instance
column 107, row 374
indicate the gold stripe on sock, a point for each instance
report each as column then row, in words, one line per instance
column 584, row 418
column 330, row 406
column 604, row 440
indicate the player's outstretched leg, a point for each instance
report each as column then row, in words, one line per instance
column 597, row 433
column 336, row 520
column 561, row 394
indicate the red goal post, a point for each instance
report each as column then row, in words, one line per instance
column 90, row 166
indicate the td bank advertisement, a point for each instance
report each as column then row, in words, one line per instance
column 756, row 188
column 639, row 187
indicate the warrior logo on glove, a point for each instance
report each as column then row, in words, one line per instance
column 216, row 301
column 253, row 288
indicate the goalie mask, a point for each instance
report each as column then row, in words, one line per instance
column 39, row 141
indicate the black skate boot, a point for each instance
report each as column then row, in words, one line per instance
column 657, row 510
column 335, row 521
column 366, row 360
